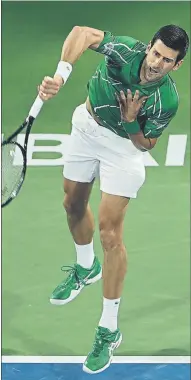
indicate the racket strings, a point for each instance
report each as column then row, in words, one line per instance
column 12, row 171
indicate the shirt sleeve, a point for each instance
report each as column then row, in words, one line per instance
column 119, row 49
column 156, row 124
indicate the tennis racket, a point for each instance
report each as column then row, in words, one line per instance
column 14, row 157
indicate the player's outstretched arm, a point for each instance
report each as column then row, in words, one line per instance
column 78, row 41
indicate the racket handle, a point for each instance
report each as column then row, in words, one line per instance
column 36, row 107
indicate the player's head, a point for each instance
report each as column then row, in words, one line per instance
column 165, row 52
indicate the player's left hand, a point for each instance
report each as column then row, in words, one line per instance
column 129, row 105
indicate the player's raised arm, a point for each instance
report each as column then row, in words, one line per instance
column 76, row 43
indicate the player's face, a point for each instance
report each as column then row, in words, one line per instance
column 159, row 61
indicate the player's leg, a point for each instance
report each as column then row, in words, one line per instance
column 122, row 174
column 111, row 218
column 79, row 215
column 80, row 220
column 87, row 269
column 108, row 337
column 80, row 170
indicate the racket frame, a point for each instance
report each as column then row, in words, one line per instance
column 10, row 140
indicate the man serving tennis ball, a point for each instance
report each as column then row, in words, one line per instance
column 131, row 100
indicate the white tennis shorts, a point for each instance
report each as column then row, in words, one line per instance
column 94, row 151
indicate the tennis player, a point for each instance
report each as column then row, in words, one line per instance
column 131, row 101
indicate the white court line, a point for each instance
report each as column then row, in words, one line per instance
column 116, row 359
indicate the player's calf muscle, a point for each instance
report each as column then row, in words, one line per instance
column 80, row 222
column 75, row 207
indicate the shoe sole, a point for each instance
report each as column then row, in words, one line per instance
column 74, row 293
column 87, row 370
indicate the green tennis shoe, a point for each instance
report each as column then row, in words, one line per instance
column 102, row 353
column 77, row 279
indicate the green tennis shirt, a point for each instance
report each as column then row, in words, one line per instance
column 121, row 71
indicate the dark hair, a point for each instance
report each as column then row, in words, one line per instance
column 173, row 37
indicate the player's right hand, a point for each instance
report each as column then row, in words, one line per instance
column 49, row 87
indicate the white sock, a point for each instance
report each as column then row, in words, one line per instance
column 109, row 314
column 85, row 255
